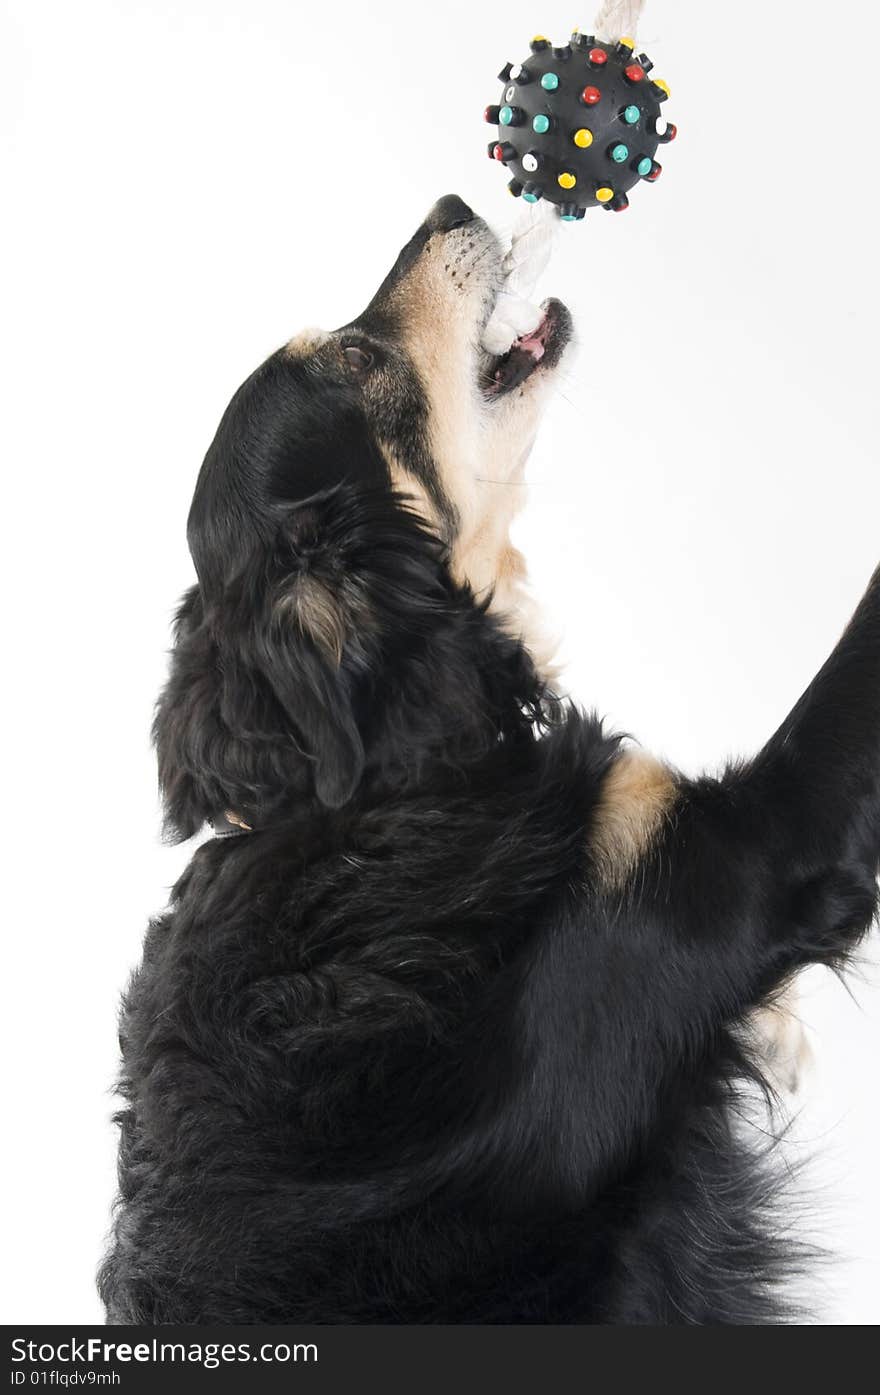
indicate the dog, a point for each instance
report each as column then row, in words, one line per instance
column 446, row 1022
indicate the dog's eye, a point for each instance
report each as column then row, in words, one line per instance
column 357, row 358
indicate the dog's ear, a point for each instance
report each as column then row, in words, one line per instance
column 312, row 645
column 259, row 703
column 274, row 685
column 195, row 751
column 300, row 651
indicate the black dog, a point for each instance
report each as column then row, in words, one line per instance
column 448, row 1027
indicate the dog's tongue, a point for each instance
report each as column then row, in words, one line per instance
column 533, row 343
column 525, row 352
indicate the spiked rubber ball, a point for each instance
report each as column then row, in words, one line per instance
column 580, row 125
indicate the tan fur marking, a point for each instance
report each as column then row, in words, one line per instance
column 777, row 1034
column 636, row 798
column 305, row 343
column 404, row 482
column 318, row 614
column 511, row 565
column 480, row 454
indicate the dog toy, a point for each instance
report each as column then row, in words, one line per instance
column 578, row 127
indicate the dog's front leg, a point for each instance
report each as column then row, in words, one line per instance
column 797, row 830
column 707, row 896
column 820, row 773
column 804, row 819
column 819, row 777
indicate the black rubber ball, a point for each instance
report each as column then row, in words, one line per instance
column 579, row 125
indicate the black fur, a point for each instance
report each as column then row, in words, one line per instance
column 395, row 1056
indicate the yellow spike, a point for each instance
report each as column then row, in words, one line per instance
column 583, row 138
column 566, row 180
column 604, row 194
column 661, row 83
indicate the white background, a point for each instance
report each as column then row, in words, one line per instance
column 184, row 186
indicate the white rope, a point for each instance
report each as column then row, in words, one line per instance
column 616, row 18
column 537, row 225
column 534, row 233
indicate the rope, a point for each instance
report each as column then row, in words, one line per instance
column 536, row 226
column 515, row 314
column 616, row 18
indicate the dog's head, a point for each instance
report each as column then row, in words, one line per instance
column 351, row 516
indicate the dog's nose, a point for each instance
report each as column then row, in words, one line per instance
column 448, row 213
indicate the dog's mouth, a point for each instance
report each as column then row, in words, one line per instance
column 541, row 349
